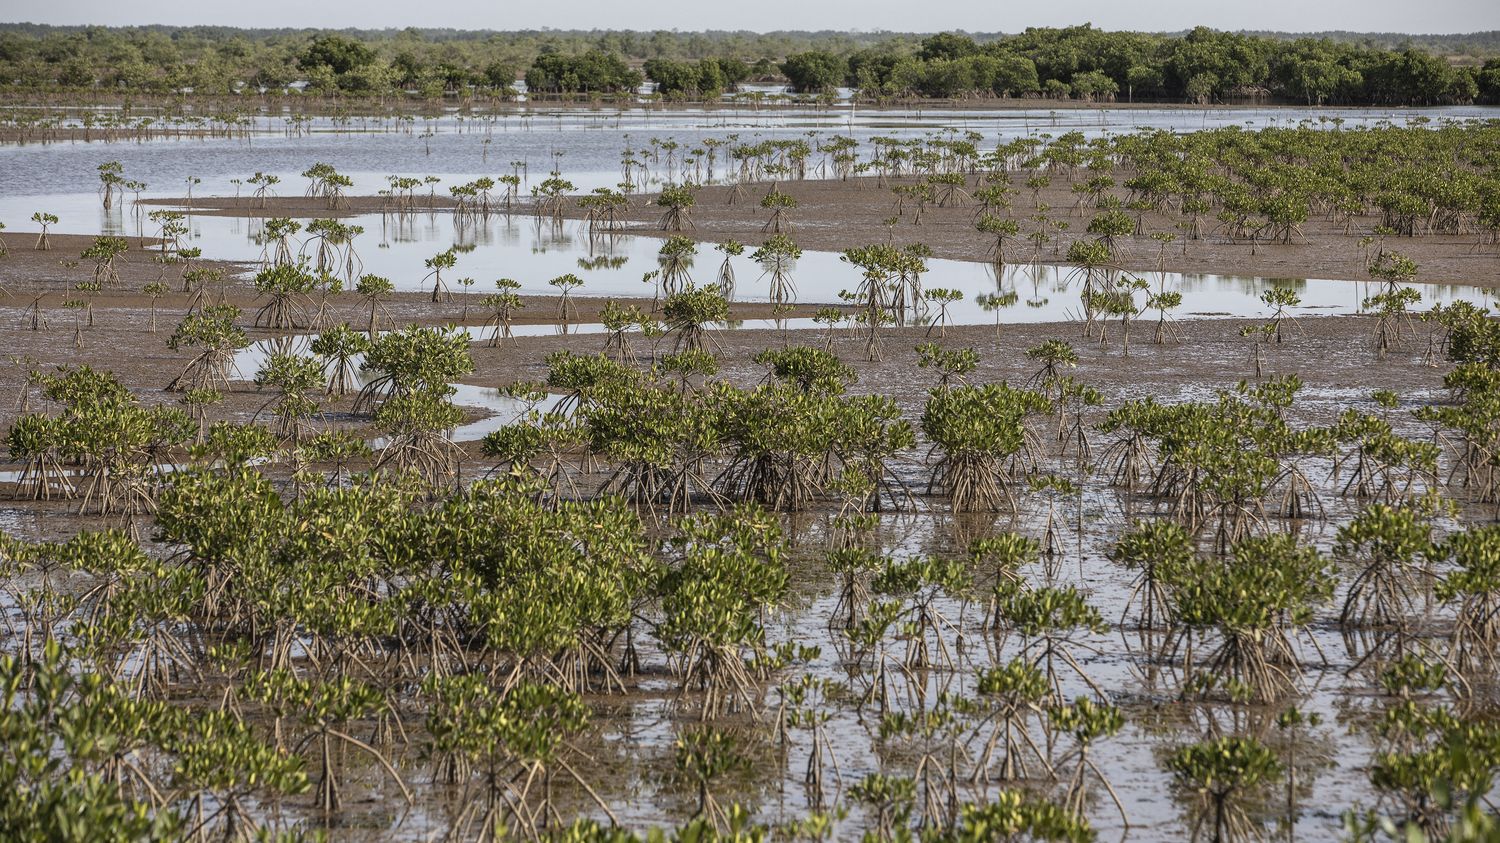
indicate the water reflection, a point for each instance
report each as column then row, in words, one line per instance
column 533, row 251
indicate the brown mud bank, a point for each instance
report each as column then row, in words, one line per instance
column 834, row 215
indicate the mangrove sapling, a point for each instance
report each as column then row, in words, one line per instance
column 44, row 221
column 780, row 205
column 1157, row 549
column 777, row 257
column 1387, row 467
column 999, row 228
column 869, row 433
column 603, row 206
column 104, row 251
column 374, row 290
column 702, row 757
column 467, row 284
column 516, row 740
column 1003, row 556
column 502, row 307
column 806, row 704
column 1072, row 400
column 90, row 773
column 1094, row 264
column 728, row 573
column 285, row 287
column 1053, row 488
column 1389, row 549
column 414, row 359
column 853, row 567
column 111, row 182
column 829, row 318
column 1019, row 814
column 1410, row 689
column 891, row 800
column 881, row 295
column 416, row 426
column 1299, row 497
column 1166, row 328
column 581, row 376
column 115, row 442
column 932, row 734
column 565, row 285
column 263, row 183
column 658, row 436
column 916, row 585
column 1259, row 336
column 1087, row 721
column 1280, row 300
column 335, row 253
column 942, row 298
column 1120, row 302
column 1304, row 753
column 551, row 196
column 1213, row 463
column 952, row 365
column 675, row 262
column 77, row 306
column 920, row 195
column 35, row 441
column 212, row 331
column 293, row 377
column 324, row 709
column 977, row 430
column 171, row 226
column 1054, row 356
column 340, row 347
column 446, row 259
column 195, row 283
column 1257, row 600
column 689, row 314
column 1009, row 696
column 1474, row 586
column 561, row 580
column 779, row 441
column 1221, row 775
column 327, row 287
column 618, row 321
column 731, row 249
column 950, row 189
column 275, row 239
column 1392, row 311
column 1130, row 459
column 995, row 303
column 154, row 291
column 1392, row 303
column 909, row 265
column 1048, row 619
column 1454, row 766
column 677, row 203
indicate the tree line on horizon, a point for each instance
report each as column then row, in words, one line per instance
column 1201, row 66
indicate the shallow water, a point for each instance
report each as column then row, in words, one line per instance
column 584, row 144
column 533, row 252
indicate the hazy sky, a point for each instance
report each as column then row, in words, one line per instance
column 761, row 15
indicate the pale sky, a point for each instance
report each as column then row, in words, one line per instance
column 1429, row 16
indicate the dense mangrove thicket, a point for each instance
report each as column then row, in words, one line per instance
column 1081, row 62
